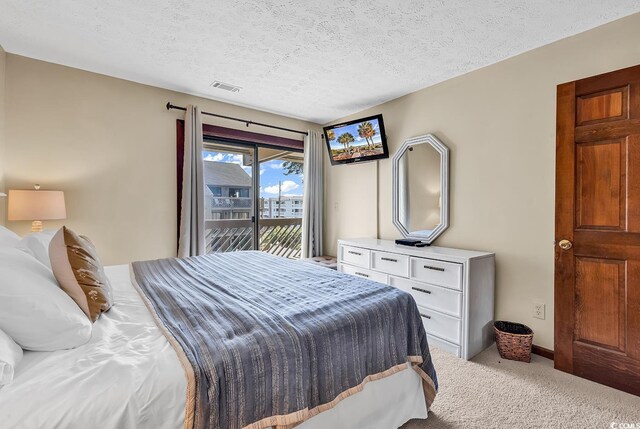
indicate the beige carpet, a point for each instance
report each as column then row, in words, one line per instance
column 489, row 392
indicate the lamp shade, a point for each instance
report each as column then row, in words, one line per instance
column 36, row 205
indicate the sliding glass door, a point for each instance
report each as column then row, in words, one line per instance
column 242, row 179
column 280, row 202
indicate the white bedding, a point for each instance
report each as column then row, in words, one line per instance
column 128, row 376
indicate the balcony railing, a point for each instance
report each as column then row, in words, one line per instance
column 282, row 237
column 231, row 202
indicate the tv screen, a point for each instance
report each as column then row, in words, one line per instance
column 356, row 141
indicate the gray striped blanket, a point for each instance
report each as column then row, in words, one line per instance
column 271, row 341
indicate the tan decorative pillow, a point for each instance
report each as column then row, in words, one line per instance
column 79, row 272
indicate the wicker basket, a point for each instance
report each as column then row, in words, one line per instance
column 514, row 340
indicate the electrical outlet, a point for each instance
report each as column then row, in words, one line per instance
column 538, row 310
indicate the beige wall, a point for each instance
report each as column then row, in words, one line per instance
column 499, row 123
column 110, row 145
column 3, row 57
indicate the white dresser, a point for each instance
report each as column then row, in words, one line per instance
column 454, row 288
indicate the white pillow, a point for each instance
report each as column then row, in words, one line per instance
column 10, row 357
column 37, row 245
column 8, row 238
column 34, row 311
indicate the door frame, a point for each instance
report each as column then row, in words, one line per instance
column 564, row 268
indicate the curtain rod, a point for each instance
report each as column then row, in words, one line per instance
column 172, row 106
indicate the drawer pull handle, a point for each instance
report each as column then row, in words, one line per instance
column 389, row 259
column 362, row 274
column 421, row 290
column 354, row 253
column 430, row 267
column 425, row 315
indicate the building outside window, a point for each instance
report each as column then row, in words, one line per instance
column 282, row 207
column 228, row 191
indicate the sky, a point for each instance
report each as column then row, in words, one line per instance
column 353, row 129
column 271, row 173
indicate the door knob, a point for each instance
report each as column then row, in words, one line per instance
column 565, row 244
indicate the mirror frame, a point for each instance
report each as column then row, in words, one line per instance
column 444, row 187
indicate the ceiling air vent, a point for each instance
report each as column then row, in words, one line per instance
column 226, row 86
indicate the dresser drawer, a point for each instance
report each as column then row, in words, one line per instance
column 443, row 345
column 447, row 274
column 390, row 263
column 355, row 256
column 437, row 298
column 441, row 325
column 367, row 274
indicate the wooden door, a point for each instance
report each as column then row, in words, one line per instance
column 597, row 256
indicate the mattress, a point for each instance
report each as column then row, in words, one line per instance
column 129, row 376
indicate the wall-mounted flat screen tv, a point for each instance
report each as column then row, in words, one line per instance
column 357, row 141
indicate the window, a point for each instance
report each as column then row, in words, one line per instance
column 239, row 192
column 215, row 190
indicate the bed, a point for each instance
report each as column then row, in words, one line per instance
column 130, row 375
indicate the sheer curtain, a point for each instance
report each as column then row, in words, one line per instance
column 313, row 199
column 191, row 240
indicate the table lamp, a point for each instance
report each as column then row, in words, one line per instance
column 36, row 206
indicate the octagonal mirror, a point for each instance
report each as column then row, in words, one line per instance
column 421, row 188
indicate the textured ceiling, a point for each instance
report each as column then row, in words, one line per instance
column 315, row 60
